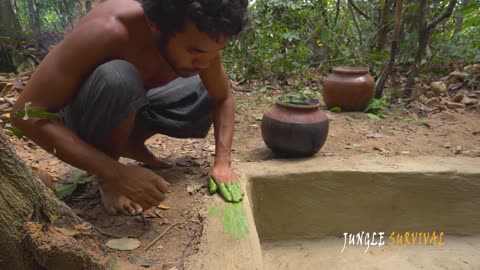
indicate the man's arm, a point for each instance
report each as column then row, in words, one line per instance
column 215, row 80
column 55, row 83
column 224, row 178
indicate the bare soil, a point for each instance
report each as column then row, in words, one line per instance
column 407, row 130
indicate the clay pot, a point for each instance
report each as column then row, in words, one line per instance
column 350, row 88
column 295, row 127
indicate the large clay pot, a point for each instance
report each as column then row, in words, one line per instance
column 350, row 88
column 295, row 129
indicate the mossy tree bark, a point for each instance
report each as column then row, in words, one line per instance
column 37, row 231
column 9, row 28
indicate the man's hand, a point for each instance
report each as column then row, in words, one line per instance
column 141, row 186
column 224, row 181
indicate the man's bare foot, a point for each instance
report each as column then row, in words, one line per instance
column 158, row 163
column 115, row 203
column 138, row 151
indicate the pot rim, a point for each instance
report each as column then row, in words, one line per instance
column 310, row 103
column 351, row 70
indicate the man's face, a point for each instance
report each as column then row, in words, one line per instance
column 190, row 51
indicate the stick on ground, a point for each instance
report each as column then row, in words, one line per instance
column 161, row 235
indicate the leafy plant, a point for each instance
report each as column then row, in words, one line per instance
column 76, row 178
column 376, row 108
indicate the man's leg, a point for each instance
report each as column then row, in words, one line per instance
column 103, row 113
column 114, row 202
column 136, row 149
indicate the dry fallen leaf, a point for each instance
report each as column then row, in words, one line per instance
column 152, row 213
column 163, row 207
column 352, row 146
column 123, row 244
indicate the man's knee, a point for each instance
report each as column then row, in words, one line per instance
column 116, row 74
column 106, row 100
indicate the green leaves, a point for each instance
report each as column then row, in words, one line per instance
column 377, row 105
column 373, row 116
column 351, row 119
column 212, row 187
column 28, row 113
column 231, row 192
column 17, row 132
column 66, row 190
column 77, row 177
column 336, row 110
column 376, row 108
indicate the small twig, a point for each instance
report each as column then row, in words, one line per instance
column 242, row 90
column 25, row 73
column 144, row 220
column 161, row 235
column 184, row 253
column 358, row 10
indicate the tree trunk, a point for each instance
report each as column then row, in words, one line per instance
column 88, row 6
column 393, row 53
column 337, row 11
column 425, row 31
column 68, row 13
column 10, row 28
column 37, row 231
column 384, row 25
column 33, row 16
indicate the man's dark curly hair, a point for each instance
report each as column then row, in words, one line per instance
column 214, row 17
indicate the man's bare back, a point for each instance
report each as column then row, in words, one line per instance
column 123, row 30
column 138, row 47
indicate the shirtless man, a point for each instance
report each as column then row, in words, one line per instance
column 129, row 71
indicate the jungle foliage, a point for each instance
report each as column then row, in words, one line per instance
column 286, row 37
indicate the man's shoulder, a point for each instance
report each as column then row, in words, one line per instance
column 112, row 18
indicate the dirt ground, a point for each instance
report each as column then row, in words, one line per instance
column 407, row 130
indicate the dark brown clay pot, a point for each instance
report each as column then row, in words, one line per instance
column 350, row 88
column 295, row 130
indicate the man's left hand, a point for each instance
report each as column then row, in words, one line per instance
column 224, row 181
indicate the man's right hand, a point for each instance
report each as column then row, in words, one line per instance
column 141, row 186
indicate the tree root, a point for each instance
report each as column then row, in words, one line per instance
column 60, row 248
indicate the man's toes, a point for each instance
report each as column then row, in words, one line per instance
column 137, row 207
column 128, row 209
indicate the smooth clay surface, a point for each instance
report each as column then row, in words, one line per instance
column 459, row 253
column 321, row 198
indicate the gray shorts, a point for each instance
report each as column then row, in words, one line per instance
column 114, row 91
